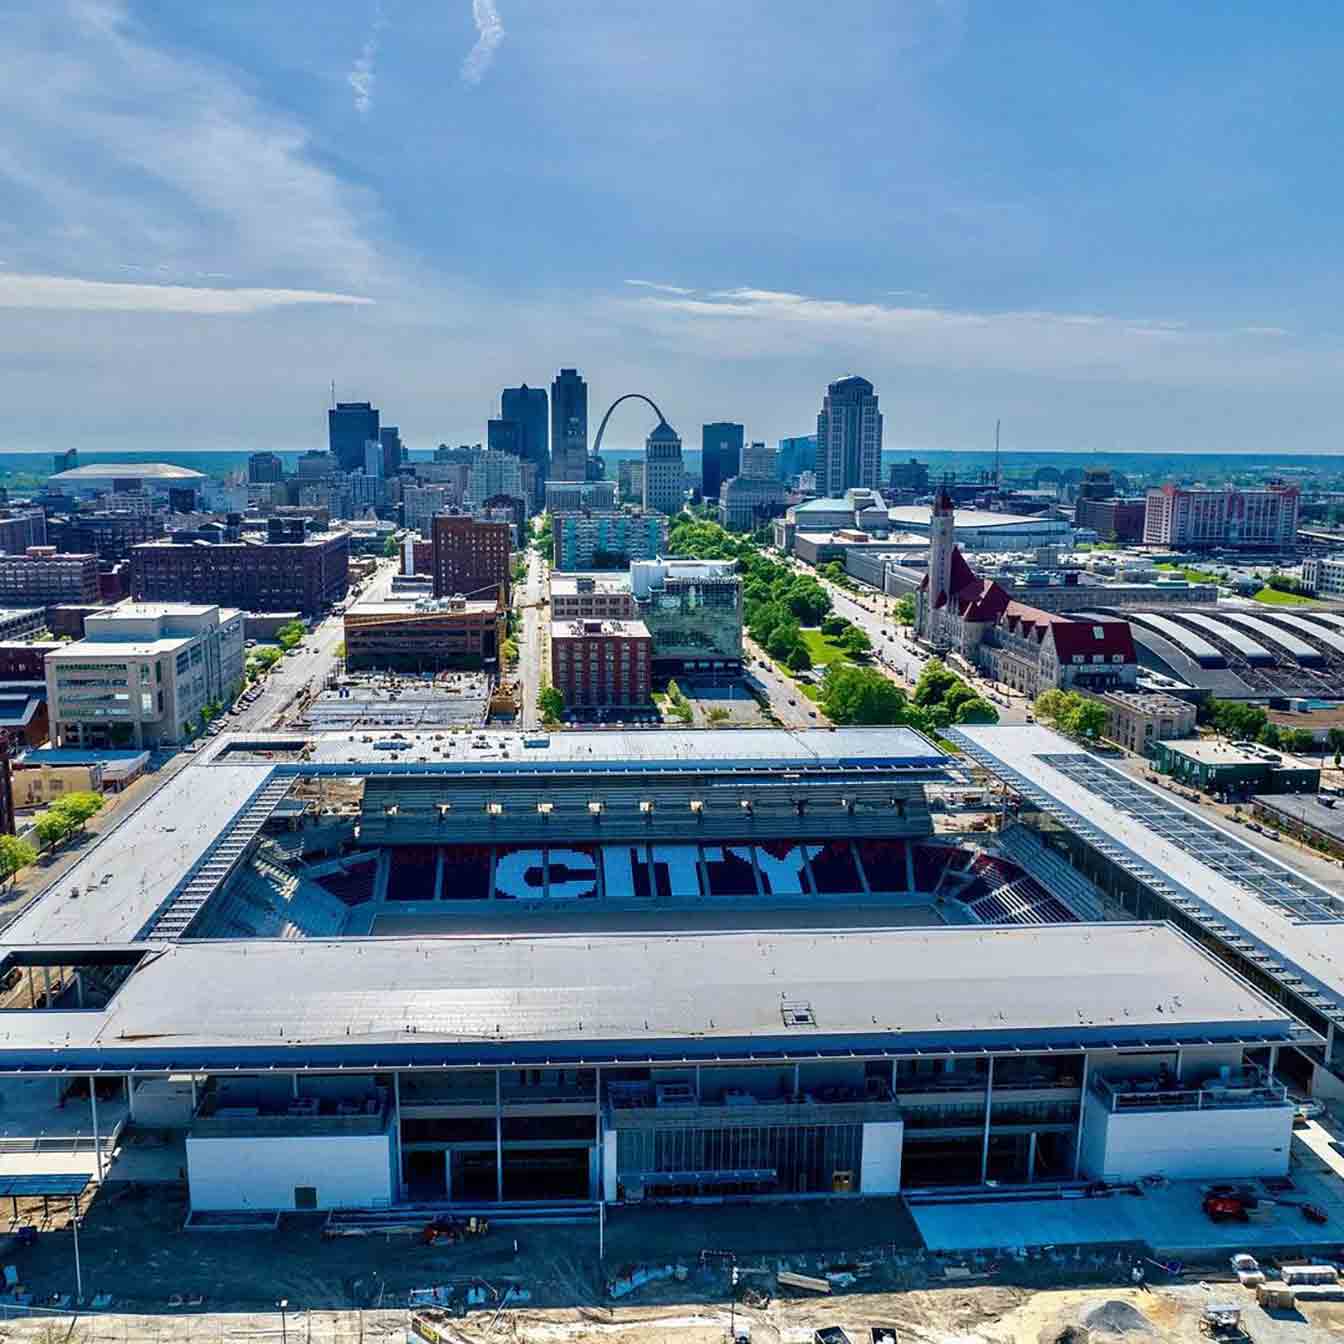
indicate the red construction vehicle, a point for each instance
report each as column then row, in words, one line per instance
column 1223, row 1205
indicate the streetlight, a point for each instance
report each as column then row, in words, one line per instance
column 283, row 1304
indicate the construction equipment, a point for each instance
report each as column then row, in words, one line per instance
column 452, row 1230
column 1221, row 1320
column 1224, row 1204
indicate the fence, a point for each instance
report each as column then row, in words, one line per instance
column 35, row 1325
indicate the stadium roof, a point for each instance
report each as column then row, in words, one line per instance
column 1262, row 909
column 165, row 473
column 701, row 995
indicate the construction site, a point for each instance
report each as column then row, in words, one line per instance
column 549, row 1036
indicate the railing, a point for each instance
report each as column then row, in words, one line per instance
column 780, row 1111
column 1240, row 1091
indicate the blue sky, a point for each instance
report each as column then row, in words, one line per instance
column 1114, row 226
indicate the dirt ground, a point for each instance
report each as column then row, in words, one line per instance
column 168, row 1284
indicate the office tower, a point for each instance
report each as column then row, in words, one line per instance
column 758, row 462
column 494, row 473
column 796, row 456
column 503, row 436
column 528, row 408
column 664, row 472
column 720, row 455
column 849, row 438
column 394, row 451
column 373, row 460
column 350, row 425
column 569, row 427
column 264, row 469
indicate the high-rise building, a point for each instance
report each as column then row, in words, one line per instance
column 758, row 462
column 796, row 456
column 350, row 425
column 1260, row 519
column 849, row 438
column 471, row 557
column 720, row 455
column 394, row 451
column 528, row 408
column 493, row 474
column 664, row 472
column 265, row 468
column 503, row 436
column 911, row 475
column 569, row 427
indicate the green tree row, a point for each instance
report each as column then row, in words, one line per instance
column 67, row 817
column 941, row 699
column 1071, row 713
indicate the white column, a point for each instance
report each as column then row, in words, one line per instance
column 499, row 1138
column 396, row 1138
column 1082, row 1110
column 989, row 1104
column 97, row 1142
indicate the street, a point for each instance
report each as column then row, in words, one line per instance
column 528, row 598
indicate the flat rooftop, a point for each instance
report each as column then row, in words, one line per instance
column 418, row 606
column 1234, row 889
column 1207, row 751
column 603, row 581
column 686, row 995
column 594, row 628
column 919, row 513
column 1307, row 809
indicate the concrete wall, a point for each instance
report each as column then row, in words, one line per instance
column 1186, row 1145
column 609, row 1172
column 880, row 1170
column 261, row 1173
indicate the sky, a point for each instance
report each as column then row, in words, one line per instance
column 1114, row 227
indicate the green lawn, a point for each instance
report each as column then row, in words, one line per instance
column 822, row 650
column 1190, row 575
column 809, row 689
column 1278, row 599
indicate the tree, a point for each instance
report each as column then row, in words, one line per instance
column 1051, row 707
column 14, row 854
column 808, row 601
column 79, row 806
column 551, row 704
column 390, row 547
column 784, row 638
column 52, row 827
column 1301, row 741
column 717, row 714
column 975, row 710
column 1270, row 736
column 834, row 626
column 861, row 695
column 904, row 611
column 1088, row 718
column 856, row 643
column 290, row 634
column 798, row 659
column 835, row 571
column 1235, row 719
column 934, row 682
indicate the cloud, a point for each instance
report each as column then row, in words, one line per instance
column 662, row 289
column 780, row 324
column 362, row 76
column 115, row 146
column 68, row 294
column 490, row 33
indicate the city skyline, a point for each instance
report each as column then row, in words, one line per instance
column 1115, row 231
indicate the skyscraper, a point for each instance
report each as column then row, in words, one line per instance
column 527, row 407
column 796, row 456
column 849, row 438
column 758, row 462
column 350, row 425
column 569, row 427
column 720, row 455
column 664, row 472
column 264, row 468
column 394, row 451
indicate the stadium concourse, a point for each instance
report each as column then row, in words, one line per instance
column 493, row 969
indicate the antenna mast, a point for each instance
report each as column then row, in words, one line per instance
column 333, row 394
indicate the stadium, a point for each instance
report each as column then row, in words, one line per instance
column 487, row 969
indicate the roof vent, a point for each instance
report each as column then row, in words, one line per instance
column 797, row 1013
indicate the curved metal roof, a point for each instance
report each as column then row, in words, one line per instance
column 1299, row 648
column 1195, row 645
column 1244, row 644
column 1331, row 637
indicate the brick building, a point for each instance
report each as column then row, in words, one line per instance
column 601, row 663
column 21, row 528
column 592, row 597
column 471, row 557
column 110, row 536
column 292, row 569
column 426, row 635
column 41, row 577
column 26, row 662
column 1113, row 519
